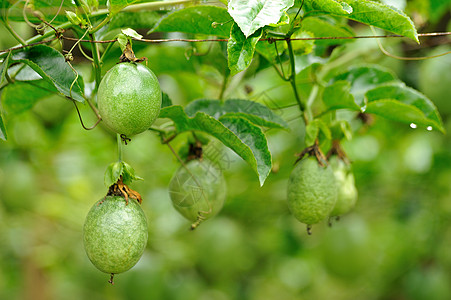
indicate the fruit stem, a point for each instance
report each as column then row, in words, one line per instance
column 119, row 147
column 224, row 84
column 292, row 79
column 97, row 62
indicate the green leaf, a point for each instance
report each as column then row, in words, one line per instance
column 22, row 95
column 128, row 174
column 51, row 66
column 4, row 68
column 240, row 49
column 338, row 95
column 400, row 103
column 332, row 6
column 256, row 113
column 113, row 173
column 165, row 100
column 73, row 18
column 268, row 50
column 135, row 19
column 302, row 47
column 244, row 138
column 208, row 20
column 116, row 5
column 3, row 134
column 253, row 15
column 117, row 169
column 364, row 78
column 323, row 27
column 313, row 130
column 131, row 33
column 122, row 40
column 382, row 16
column 341, row 129
column 370, row 13
column 255, row 139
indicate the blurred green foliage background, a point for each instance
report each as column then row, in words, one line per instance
column 394, row 245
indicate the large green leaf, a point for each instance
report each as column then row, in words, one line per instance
column 208, row 20
column 52, row 67
column 240, row 135
column 370, row 13
column 251, row 15
column 3, row 134
column 22, row 95
column 257, row 113
column 401, row 103
column 240, row 49
column 338, row 95
column 363, row 78
column 382, row 16
column 254, row 138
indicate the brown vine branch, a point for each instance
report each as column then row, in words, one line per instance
column 428, row 34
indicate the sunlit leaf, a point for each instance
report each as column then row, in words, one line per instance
column 251, row 15
column 240, row 49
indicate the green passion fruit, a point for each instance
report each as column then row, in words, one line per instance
column 347, row 192
column 129, row 98
column 115, row 234
column 312, row 191
column 198, row 190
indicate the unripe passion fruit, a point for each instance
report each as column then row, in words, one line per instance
column 129, row 98
column 312, row 191
column 347, row 192
column 115, row 234
column 198, row 190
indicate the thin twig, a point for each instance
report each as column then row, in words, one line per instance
column 81, row 120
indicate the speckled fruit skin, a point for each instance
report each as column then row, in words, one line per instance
column 347, row 192
column 198, row 190
column 312, row 191
column 129, row 98
column 115, row 234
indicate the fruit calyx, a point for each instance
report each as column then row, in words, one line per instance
column 195, row 151
column 121, row 189
column 338, row 151
column 313, row 150
column 129, row 56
